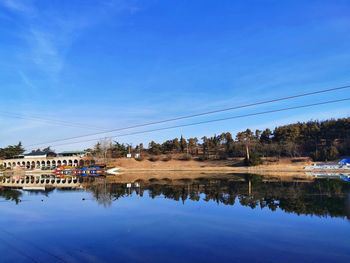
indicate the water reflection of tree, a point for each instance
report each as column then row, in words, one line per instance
column 321, row 197
column 101, row 191
column 45, row 192
column 10, row 195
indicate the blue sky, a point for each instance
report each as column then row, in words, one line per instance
column 115, row 63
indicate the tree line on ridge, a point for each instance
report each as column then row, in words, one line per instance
column 321, row 140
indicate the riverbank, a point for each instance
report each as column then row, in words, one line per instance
column 283, row 167
column 234, row 165
column 132, row 170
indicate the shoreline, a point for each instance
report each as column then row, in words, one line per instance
column 286, row 167
column 212, row 169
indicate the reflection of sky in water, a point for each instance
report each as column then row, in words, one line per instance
column 61, row 226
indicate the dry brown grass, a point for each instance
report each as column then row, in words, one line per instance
column 157, row 164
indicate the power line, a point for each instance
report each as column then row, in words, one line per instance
column 211, row 121
column 198, row 114
column 50, row 121
column 46, row 120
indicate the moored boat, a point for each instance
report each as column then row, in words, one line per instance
column 84, row 171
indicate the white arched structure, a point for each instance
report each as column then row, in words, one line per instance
column 38, row 163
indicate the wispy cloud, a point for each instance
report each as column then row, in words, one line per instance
column 40, row 42
column 43, row 36
column 49, row 33
column 45, row 53
column 27, row 81
column 18, row 6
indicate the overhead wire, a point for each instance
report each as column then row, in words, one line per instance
column 49, row 121
column 209, row 121
column 197, row 114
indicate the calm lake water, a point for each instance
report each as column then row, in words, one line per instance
column 230, row 219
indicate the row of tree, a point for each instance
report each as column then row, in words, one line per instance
column 321, row 140
column 11, row 151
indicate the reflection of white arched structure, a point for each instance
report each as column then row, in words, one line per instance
column 39, row 181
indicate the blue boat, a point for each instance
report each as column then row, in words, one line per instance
column 92, row 171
